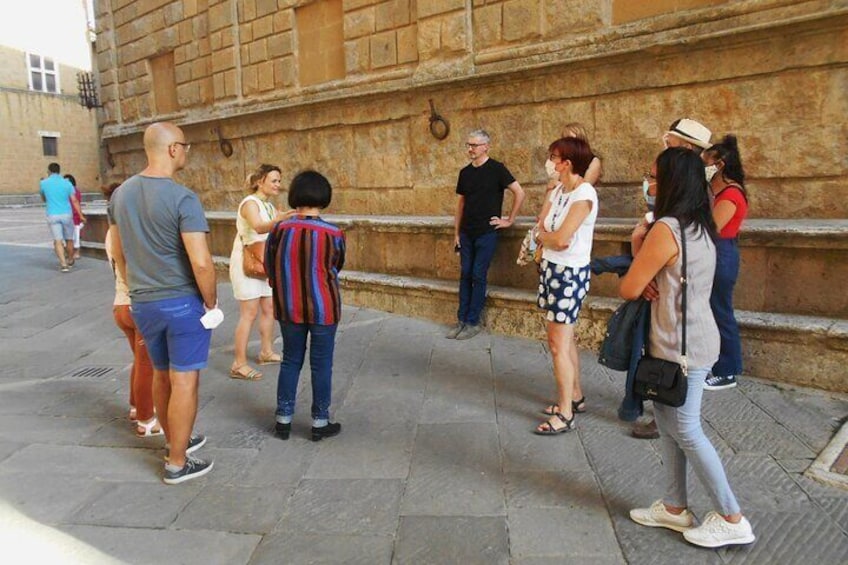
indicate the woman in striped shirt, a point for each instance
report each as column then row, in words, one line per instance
column 303, row 257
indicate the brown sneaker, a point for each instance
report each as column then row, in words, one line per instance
column 645, row 431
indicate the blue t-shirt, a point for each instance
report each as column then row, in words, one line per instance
column 151, row 214
column 57, row 192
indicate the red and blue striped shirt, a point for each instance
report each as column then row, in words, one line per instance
column 303, row 257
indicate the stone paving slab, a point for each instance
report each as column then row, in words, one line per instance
column 236, row 509
column 343, row 506
column 154, row 547
column 455, row 471
column 323, row 549
column 135, row 505
column 436, row 462
column 462, row 539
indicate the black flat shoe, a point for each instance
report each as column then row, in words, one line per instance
column 283, row 430
column 330, row 430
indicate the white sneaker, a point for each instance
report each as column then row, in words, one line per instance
column 658, row 517
column 717, row 532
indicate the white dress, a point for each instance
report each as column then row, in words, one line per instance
column 244, row 287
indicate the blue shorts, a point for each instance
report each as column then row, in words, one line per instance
column 61, row 226
column 562, row 290
column 173, row 333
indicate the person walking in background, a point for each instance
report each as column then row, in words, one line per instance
column 683, row 207
column 565, row 233
column 141, row 374
column 727, row 182
column 160, row 249
column 77, row 218
column 255, row 217
column 480, row 187
column 304, row 255
column 61, row 200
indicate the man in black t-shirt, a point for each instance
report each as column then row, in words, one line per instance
column 480, row 187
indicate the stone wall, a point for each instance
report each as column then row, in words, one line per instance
column 771, row 71
column 24, row 113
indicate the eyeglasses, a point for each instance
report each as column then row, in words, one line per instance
column 186, row 146
column 474, row 145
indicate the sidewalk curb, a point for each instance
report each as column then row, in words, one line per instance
column 820, row 470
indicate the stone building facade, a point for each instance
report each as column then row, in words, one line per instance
column 350, row 87
column 43, row 127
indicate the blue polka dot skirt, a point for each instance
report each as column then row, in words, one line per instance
column 562, row 290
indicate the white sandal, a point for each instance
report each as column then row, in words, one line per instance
column 151, row 428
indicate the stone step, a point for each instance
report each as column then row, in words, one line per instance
column 787, row 266
column 792, row 310
column 800, row 350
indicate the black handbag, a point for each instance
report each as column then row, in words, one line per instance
column 660, row 380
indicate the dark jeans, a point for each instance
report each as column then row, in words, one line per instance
column 321, row 346
column 475, row 254
column 721, row 301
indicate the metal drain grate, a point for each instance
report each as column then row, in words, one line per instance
column 90, row 372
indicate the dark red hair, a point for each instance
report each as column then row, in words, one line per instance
column 575, row 150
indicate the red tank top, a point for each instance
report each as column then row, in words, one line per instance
column 734, row 195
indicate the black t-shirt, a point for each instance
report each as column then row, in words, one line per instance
column 483, row 188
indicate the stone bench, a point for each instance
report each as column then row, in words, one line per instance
column 406, row 265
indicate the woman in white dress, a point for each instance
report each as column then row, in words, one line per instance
column 255, row 218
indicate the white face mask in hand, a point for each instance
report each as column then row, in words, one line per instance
column 550, row 169
column 710, row 171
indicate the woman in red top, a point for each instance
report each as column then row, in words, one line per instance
column 727, row 182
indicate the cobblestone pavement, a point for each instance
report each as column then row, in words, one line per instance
column 435, row 463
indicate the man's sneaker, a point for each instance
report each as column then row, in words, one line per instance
column 658, row 517
column 195, row 442
column 192, row 469
column 714, row 382
column 469, row 331
column 718, row 532
column 454, row 331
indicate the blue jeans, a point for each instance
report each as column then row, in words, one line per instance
column 475, row 254
column 321, row 346
column 682, row 439
column 721, row 302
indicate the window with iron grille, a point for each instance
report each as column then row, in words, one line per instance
column 43, row 74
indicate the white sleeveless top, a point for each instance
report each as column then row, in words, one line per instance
column 244, row 287
column 266, row 211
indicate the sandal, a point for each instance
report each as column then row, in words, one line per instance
column 568, row 425
column 250, row 375
column 148, row 429
column 133, row 415
column 578, row 406
column 269, row 359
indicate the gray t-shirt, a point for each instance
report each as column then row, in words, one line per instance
column 151, row 213
column 702, row 337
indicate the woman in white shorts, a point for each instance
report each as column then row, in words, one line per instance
column 255, row 218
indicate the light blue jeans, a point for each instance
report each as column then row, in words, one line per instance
column 682, row 439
